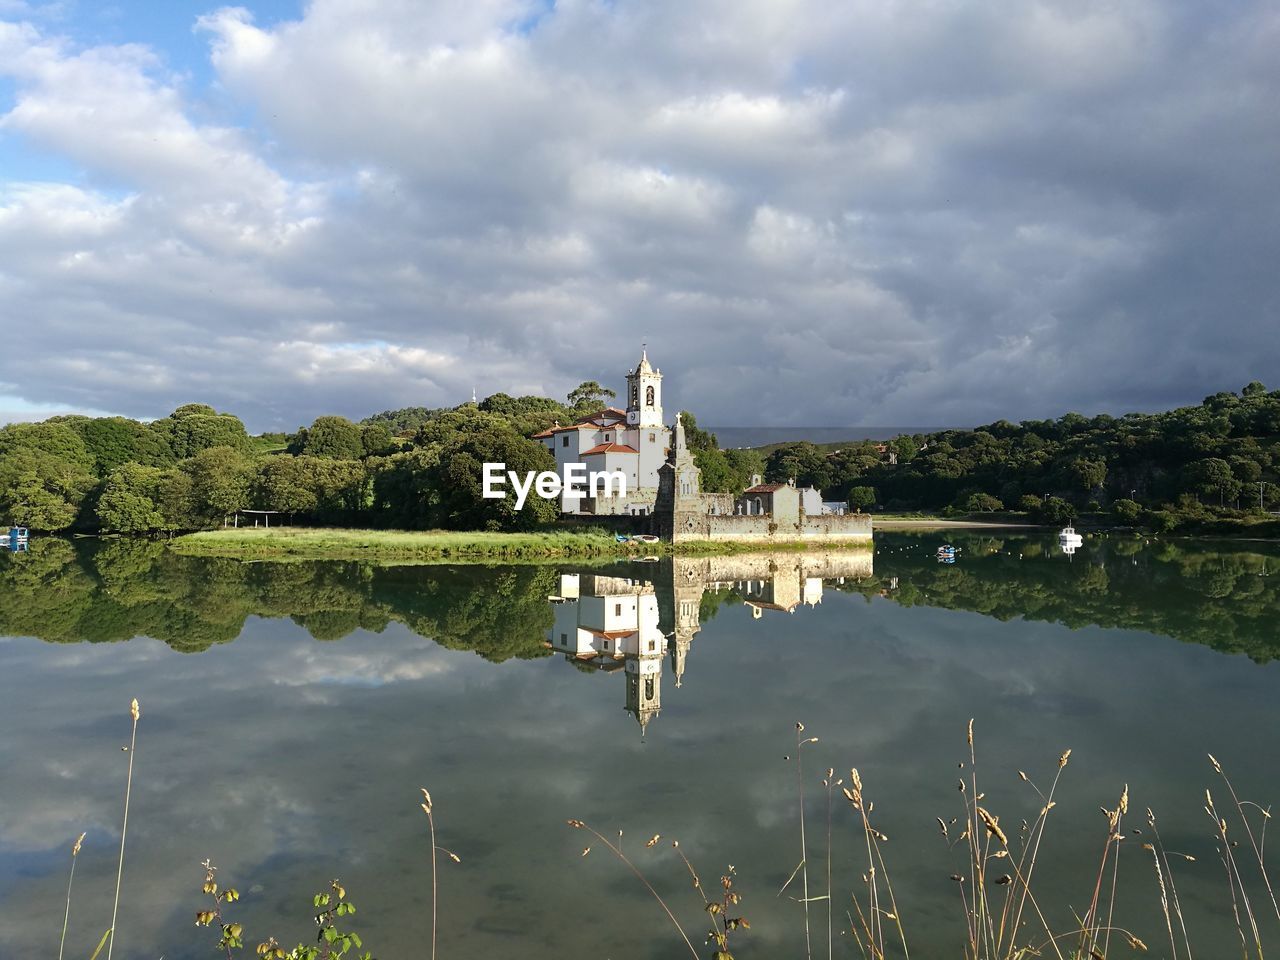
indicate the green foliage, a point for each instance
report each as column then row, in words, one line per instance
column 528, row 415
column 113, row 441
column 221, row 481
column 332, row 941
column 982, row 503
column 130, row 500
column 41, row 491
column 1127, row 512
column 104, row 591
column 1216, row 453
column 334, row 437
column 861, row 497
column 589, row 396
column 55, row 440
column 1055, row 510
column 376, row 441
column 196, row 427
column 404, row 422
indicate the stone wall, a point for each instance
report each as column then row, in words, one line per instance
column 826, row 526
column 855, row 564
column 690, row 526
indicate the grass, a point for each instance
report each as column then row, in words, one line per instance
column 306, row 543
column 443, row 545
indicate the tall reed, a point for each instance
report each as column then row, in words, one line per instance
column 66, row 917
column 134, row 712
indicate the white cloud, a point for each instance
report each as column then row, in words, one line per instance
column 383, row 203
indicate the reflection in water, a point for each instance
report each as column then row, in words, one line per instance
column 291, row 761
column 1219, row 594
column 609, row 623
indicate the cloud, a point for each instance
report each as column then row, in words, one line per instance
column 813, row 215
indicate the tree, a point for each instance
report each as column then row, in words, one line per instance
column 589, row 395
column 57, row 440
column 1055, row 510
column 129, row 502
column 334, row 437
column 982, row 503
column 376, row 440
column 112, row 441
column 40, row 491
column 457, row 478
column 190, row 429
column 221, row 482
column 1211, row 475
column 284, row 484
column 861, row 497
column 1126, row 511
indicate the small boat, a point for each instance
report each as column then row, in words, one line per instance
column 1068, row 536
column 946, row 550
column 621, row 537
column 644, row 538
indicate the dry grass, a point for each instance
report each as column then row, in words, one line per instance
column 996, row 882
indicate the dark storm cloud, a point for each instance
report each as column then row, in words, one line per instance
column 870, row 215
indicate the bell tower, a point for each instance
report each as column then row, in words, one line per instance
column 644, row 395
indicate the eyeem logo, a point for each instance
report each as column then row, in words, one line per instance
column 577, row 482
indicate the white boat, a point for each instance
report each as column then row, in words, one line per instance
column 1068, row 536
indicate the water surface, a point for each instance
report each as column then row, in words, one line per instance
column 292, row 711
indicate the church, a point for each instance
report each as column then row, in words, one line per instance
column 634, row 441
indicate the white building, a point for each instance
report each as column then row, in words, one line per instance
column 633, row 441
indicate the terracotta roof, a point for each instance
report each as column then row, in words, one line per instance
column 610, row 634
column 766, row 488
column 544, row 434
column 609, row 413
column 610, row 448
column 574, row 426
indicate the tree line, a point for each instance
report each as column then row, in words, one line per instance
column 1219, row 459
column 419, row 468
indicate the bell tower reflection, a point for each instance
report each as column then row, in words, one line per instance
column 614, row 623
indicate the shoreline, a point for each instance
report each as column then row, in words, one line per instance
column 447, row 546
column 938, row 524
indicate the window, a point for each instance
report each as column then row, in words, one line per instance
column 564, row 441
column 617, row 609
column 648, row 396
column 606, row 644
column 653, row 438
column 648, row 688
column 606, row 438
column 652, row 646
column 635, row 395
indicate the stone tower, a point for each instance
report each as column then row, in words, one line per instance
column 644, row 395
column 688, row 590
column 680, row 510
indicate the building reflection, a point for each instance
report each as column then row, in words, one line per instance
column 633, row 623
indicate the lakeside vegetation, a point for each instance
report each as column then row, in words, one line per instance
column 1212, row 468
column 1222, row 596
column 425, row 545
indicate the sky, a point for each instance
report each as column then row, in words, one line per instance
column 864, row 213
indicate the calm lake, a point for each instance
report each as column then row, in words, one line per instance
column 292, row 711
